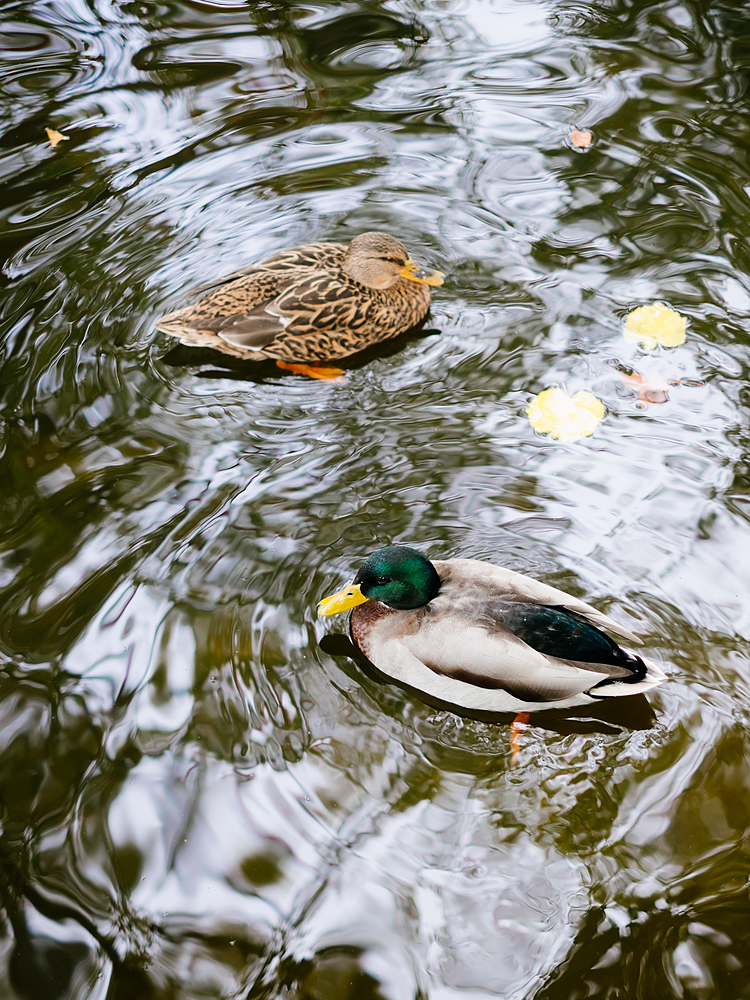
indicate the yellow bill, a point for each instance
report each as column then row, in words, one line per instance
column 347, row 598
column 424, row 275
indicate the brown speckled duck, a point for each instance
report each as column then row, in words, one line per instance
column 310, row 304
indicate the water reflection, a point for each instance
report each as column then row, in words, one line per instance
column 198, row 799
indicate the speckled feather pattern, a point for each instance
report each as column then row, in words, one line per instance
column 327, row 313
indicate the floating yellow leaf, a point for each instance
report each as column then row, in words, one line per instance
column 581, row 140
column 564, row 417
column 54, row 136
column 656, row 324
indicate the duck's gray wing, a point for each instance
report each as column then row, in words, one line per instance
column 464, row 577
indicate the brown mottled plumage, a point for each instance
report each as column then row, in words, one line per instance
column 310, row 304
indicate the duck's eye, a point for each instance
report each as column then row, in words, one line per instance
column 395, row 260
column 382, row 579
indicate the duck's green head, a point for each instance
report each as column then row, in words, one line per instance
column 397, row 576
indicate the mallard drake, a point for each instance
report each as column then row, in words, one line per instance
column 479, row 637
column 310, row 304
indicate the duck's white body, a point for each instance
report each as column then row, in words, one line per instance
column 456, row 649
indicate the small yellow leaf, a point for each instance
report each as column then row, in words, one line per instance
column 54, row 136
column 581, row 140
column 655, row 324
column 564, row 417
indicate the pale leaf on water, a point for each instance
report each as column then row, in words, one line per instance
column 54, row 136
column 564, row 417
column 653, row 325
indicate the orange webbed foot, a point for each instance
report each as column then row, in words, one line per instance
column 313, row 371
column 517, row 727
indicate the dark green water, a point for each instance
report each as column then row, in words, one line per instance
column 197, row 800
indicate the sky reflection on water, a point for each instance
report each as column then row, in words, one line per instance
column 197, row 799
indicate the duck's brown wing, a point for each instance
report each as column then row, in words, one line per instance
column 312, row 255
column 239, row 305
column 291, row 316
column 309, row 308
column 290, row 293
column 251, row 330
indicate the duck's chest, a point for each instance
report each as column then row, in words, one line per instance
column 373, row 622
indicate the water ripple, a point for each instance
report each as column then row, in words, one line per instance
column 203, row 795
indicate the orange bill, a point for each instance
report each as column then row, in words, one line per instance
column 424, row 275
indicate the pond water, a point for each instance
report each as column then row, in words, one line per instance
column 197, row 799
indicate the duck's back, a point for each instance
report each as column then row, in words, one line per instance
column 294, row 260
column 468, row 583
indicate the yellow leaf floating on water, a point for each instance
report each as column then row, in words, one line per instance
column 564, row 417
column 656, row 324
column 54, row 136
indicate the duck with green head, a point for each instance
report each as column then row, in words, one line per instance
column 479, row 637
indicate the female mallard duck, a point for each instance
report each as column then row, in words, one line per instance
column 483, row 638
column 310, row 304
